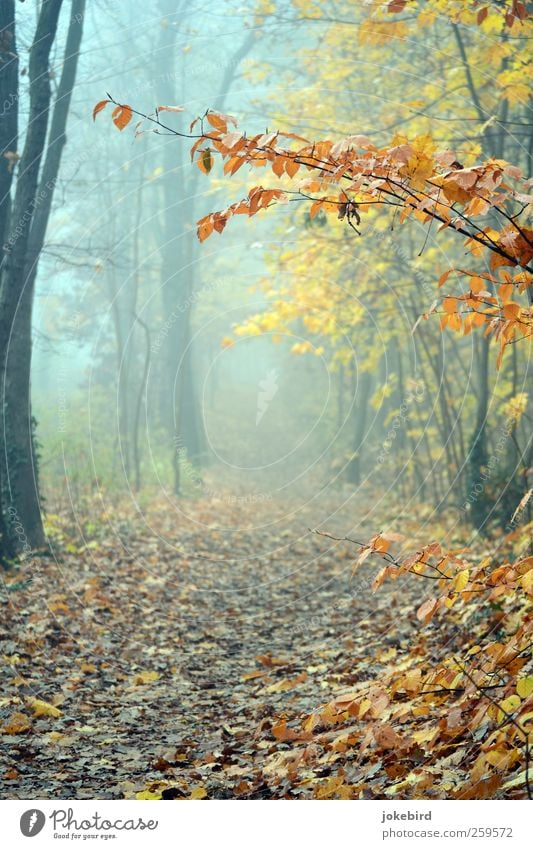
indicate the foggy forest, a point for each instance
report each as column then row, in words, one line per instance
column 265, row 449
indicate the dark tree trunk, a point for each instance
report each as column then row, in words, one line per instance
column 478, row 452
column 9, row 69
column 31, row 211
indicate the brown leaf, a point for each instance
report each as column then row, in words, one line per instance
column 386, row 737
column 17, row 723
column 426, row 610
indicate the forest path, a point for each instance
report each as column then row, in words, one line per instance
column 172, row 646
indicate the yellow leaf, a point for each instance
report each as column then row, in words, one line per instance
column 424, row 736
column 146, row 677
column 509, row 706
column 148, row 794
column 198, row 793
column 41, row 708
column 380, row 32
column 364, row 707
column 462, row 580
column 524, row 686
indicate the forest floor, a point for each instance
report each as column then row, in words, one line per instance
column 159, row 660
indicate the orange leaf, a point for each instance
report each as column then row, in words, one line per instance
column 99, row 106
column 285, row 735
column 454, row 321
column 444, row 277
column 217, row 122
column 511, row 310
column 278, row 165
column 291, row 167
column 477, row 285
column 205, row 227
column 315, row 208
column 379, row 543
column 450, row 305
column 122, row 115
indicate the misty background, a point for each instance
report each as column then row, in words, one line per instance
column 166, row 368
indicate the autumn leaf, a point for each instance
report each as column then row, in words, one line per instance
column 17, row 723
column 149, row 795
column 380, row 544
column 396, row 6
column 146, row 677
column 99, row 106
column 426, row 610
column 170, row 109
column 268, row 660
column 122, row 115
column 330, row 788
column 461, row 580
column 205, row 161
column 205, row 227
column 41, row 708
column 198, row 793
column 217, row 122
column 509, row 706
column 286, row 684
column 284, row 734
column 386, row 737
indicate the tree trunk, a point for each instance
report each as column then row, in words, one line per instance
column 180, row 407
column 8, row 149
column 478, row 453
column 353, row 471
column 31, row 212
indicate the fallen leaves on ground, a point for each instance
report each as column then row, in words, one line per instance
column 236, row 655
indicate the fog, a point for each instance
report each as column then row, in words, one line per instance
column 124, row 209
column 149, row 376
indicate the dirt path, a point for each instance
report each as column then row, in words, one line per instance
column 172, row 644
